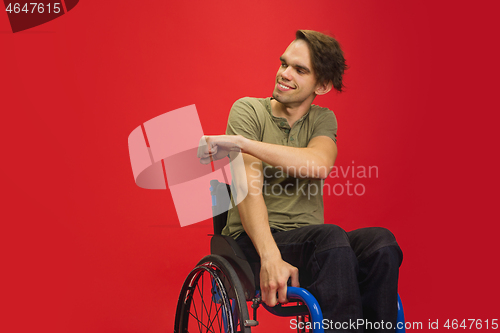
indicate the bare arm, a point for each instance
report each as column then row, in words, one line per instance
column 274, row 272
column 314, row 161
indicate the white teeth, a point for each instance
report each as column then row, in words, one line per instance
column 282, row 86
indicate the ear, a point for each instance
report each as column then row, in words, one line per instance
column 323, row 88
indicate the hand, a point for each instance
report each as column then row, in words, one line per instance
column 274, row 276
column 213, row 148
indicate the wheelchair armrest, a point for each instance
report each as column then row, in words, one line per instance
column 227, row 248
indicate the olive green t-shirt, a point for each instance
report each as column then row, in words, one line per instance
column 291, row 202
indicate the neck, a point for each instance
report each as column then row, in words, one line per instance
column 291, row 113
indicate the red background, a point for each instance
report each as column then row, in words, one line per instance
column 86, row 250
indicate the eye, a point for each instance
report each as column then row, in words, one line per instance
column 283, row 65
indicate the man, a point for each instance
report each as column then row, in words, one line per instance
column 289, row 147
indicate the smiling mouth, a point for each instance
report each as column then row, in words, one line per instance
column 284, row 87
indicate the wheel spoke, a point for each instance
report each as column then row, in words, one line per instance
column 200, row 323
column 209, row 308
column 218, row 321
column 214, row 291
column 217, row 317
column 193, row 303
column 201, row 293
column 211, row 299
column 206, row 311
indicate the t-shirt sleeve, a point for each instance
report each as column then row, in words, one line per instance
column 243, row 120
column 326, row 125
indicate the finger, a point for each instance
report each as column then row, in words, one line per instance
column 207, row 152
column 295, row 277
column 269, row 296
column 211, row 158
column 282, row 294
column 202, row 147
column 203, row 151
column 212, row 149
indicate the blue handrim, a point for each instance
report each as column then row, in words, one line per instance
column 401, row 317
column 312, row 305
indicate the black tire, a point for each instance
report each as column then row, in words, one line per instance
column 209, row 293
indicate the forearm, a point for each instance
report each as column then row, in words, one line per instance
column 253, row 214
column 253, row 210
column 307, row 162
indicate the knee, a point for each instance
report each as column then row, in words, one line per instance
column 389, row 257
column 375, row 236
column 383, row 236
column 367, row 241
column 331, row 236
column 388, row 244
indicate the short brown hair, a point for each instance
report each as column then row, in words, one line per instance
column 326, row 56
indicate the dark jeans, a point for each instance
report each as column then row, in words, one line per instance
column 353, row 275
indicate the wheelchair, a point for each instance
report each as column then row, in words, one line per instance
column 215, row 293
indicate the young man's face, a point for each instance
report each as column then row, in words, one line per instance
column 295, row 81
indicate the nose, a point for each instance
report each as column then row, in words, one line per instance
column 287, row 74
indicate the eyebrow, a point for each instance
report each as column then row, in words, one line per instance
column 304, row 68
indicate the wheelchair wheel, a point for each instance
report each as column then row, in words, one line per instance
column 212, row 299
